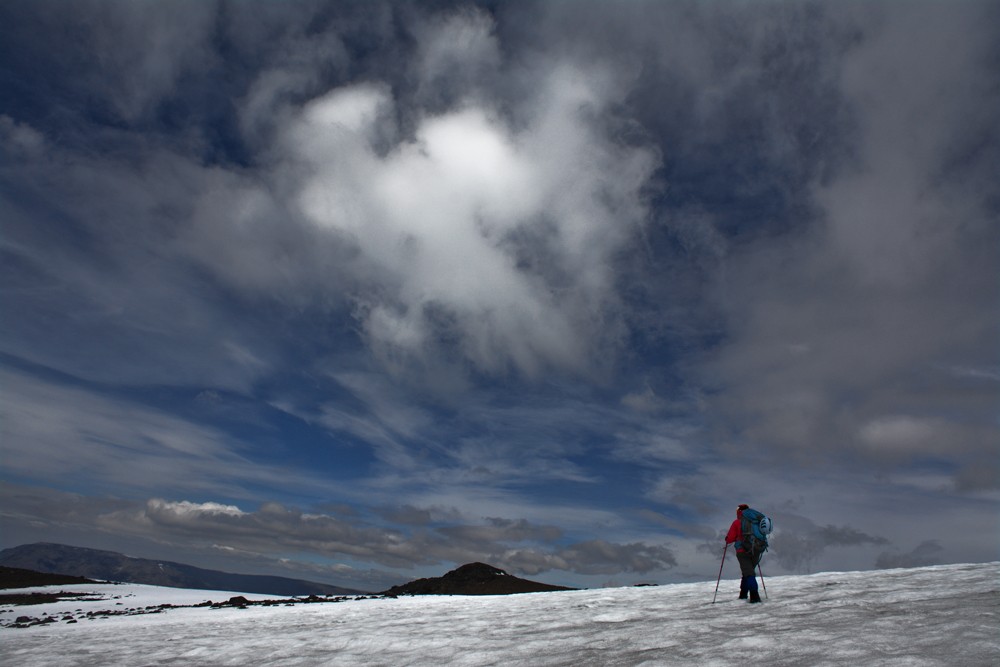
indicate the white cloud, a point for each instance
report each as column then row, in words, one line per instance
column 141, row 50
column 53, row 432
column 457, row 56
column 180, row 511
column 481, row 243
column 21, row 137
column 903, row 432
column 645, row 400
column 349, row 110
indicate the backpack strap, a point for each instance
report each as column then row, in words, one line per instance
column 746, row 528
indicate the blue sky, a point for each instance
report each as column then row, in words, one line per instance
column 357, row 292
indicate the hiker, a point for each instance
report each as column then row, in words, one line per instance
column 746, row 555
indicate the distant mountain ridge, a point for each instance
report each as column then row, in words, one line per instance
column 473, row 579
column 111, row 566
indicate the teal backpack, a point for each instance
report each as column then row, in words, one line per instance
column 755, row 527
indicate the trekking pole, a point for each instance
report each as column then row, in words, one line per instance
column 725, row 548
column 761, row 572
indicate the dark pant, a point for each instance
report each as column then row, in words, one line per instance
column 748, row 584
column 748, row 563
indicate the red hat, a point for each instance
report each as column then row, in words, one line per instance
column 743, row 506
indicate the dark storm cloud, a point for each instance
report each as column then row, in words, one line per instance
column 846, row 326
column 276, row 529
column 927, row 552
column 799, row 550
column 503, row 529
column 601, row 557
column 798, row 542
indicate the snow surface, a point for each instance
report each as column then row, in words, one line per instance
column 942, row 615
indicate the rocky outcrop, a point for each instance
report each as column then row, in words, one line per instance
column 473, row 579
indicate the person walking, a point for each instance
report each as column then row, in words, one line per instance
column 746, row 556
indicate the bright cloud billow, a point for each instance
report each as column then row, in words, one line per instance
column 476, row 237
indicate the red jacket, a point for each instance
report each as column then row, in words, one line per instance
column 735, row 533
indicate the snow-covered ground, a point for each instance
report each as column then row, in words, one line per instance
column 943, row 615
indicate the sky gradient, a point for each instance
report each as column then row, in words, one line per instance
column 359, row 291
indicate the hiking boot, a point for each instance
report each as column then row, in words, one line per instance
column 754, row 596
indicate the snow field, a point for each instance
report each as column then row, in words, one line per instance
column 943, row 615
